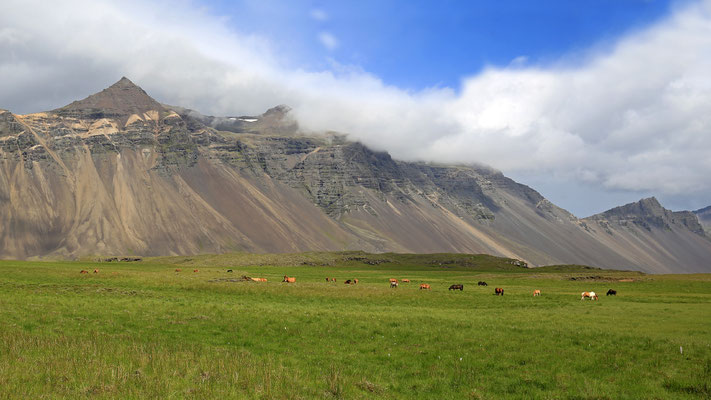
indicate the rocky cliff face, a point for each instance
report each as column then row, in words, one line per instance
column 704, row 216
column 118, row 174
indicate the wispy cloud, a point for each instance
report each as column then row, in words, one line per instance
column 633, row 115
column 318, row 14
column 328, row 40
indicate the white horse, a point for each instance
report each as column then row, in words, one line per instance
column 589, row 295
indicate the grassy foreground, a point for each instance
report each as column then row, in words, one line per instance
column 142, row 330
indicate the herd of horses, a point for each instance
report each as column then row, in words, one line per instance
column 394, row 283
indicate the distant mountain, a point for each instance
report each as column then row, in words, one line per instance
column 119, row 173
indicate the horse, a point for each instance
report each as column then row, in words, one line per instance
column 178, row 270
column 196, row 270
column 405, row 281
column 499, row 291
column 355, row 281
column 425, row 286
column 348, row 282
column 289, row 279
column 482, row 283
column 229, row 270
column 536, row 293
column 611, row 292
column 96, row 271
column 83, row 271
column 457, row 287
column 393, row 284
column 588, row 295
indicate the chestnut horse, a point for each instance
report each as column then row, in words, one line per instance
column 288, row 279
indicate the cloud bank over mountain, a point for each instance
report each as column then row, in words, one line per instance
column 631, row 114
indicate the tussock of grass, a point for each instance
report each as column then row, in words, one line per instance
column 141, row 330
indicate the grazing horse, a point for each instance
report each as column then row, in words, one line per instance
column 611, row 292
column 196, row 270
column 178, row 270
column 536, row 293
column 482, row 283
column 355, row 281
column 288, row 279
column 425, row 286
column 348, row 282
column 229, row 270
column 96, row 270
column 405, row 281
column 83, row 271
column 328, row 279
column 457, row 287
column 588, row 295
column 393, row 283
column 499, row 291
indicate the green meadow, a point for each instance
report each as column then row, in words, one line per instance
column 139, row 330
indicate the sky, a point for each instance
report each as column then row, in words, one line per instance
column 594, row 103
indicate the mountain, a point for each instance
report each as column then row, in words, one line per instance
column 119, row 173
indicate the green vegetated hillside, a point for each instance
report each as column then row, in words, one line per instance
column 143, row 330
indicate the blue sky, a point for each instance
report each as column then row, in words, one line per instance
column 419, row 44
column 595, row 103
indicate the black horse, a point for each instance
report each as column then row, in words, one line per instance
column 455, row 287
column 482, row 283
column 612, row 292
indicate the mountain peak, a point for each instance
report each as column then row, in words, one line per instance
column 649, row 212
column 120, row 100
column 644, row 208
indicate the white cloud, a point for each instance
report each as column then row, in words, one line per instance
column 632, row 116
column 328, row 40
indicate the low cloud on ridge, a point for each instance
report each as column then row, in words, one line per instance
column 630, row 115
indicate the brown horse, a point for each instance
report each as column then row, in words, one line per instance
column 355, row 281
column 457, row 287
column 499, row 291
column 178, row 270
column 348, row 282
column 405, row 281
column 536, row 293
column 96, row 271
column 289, row 279
column 83, row 271
column 196, row 270
column 425, row 286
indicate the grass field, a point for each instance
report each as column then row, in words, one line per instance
column 142, row 330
